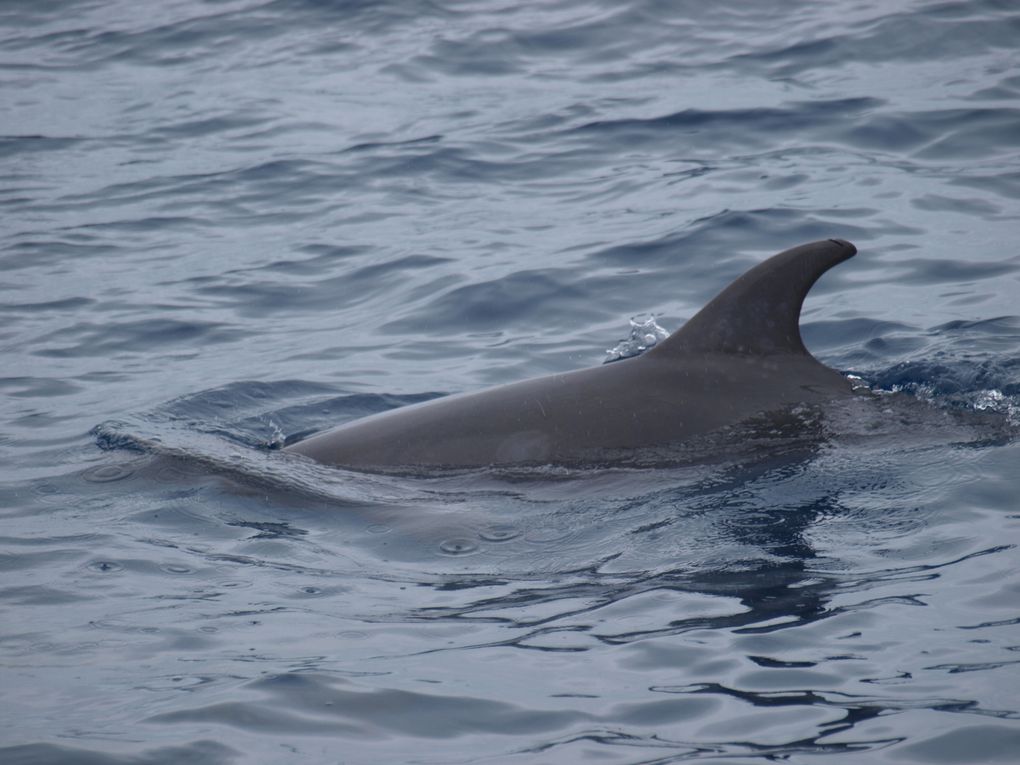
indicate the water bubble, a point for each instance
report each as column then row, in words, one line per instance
column 107, row 473
column 499, row 533
column 645, row 333
column 49, row 493
column 458, row 546
column 105, row 566
column 190, row 681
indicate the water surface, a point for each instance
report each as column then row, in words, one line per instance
column 226, row 223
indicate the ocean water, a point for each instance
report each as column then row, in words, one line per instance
column 232, row 222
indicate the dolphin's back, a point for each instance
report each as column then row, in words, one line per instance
column 740, row 356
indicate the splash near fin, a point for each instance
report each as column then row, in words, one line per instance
column 759, row 313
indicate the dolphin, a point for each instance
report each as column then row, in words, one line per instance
column 741, row 357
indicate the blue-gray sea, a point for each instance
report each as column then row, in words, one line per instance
column 226, row 223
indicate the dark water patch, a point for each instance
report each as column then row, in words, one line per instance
column 27, row 561
column 585, row 42
column 949, row 381
column 241, row 399
column 257, row 413
column 990, row 329
column 940, row 271
column 40, row 11
column 446, row 163
column 206, row 126
column 107, row 473
column 253, row 299
column 132, row 337
column 283, row 181
column 199, row 752
column 723, row 130
column 149, row 224
column 270, row 530
column 520, row 299
column 376, row 272
column 258, row 297
column 1007, row 90
column 703, row 245
column 368, row 16
column 972, row 206
column 459, row 59
column 541, row 127
column 1005, row 183
column 327, row 254
column 952, row 29
column 389, row 146
column 851, row 333
column 942, row 134
column 996, row 743
column 971, row 133
column 37, row 595
column 795, row 58
column 67, row 304
column 952, row 350
column 31, row 254
column 890, row 132
column 36, row 387
column 158, row 40
column 960, row 364
column 507, row 46
column 326, row 704
column 18, row 145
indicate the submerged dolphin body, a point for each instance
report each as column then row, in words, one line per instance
column 741, row 356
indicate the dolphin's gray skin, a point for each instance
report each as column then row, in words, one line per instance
column 740, row 356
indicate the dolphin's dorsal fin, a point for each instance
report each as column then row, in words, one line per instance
column 759, row 313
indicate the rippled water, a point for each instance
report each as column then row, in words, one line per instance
column 228, row 223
